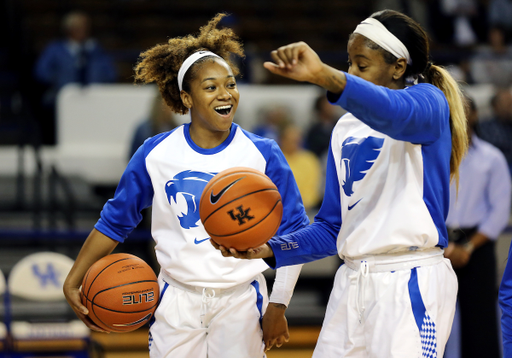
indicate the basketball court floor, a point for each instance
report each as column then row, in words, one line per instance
column 134, row 344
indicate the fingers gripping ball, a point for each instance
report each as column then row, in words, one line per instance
column 121, row 292
column 241, row 208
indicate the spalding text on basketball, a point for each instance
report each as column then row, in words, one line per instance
column 242, row 215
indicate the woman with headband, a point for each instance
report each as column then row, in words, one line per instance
column 387, row 192
column 209, row 306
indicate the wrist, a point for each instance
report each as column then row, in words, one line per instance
column 449, row 249
column 331, row 79
column 469, row 247
column 281, row 306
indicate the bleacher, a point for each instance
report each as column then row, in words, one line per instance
column 125, row 28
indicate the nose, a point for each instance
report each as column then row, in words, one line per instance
column 224, row 93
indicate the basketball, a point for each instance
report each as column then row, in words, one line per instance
column 241, row 208
column 121, row 292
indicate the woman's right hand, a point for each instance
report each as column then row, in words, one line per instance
column 297, row 61
column 73, row 297
column 262, row 252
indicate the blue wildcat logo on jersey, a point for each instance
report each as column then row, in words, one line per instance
column 357, row 157
column 191, row 185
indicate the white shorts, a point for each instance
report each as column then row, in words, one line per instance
column 204, row 322
column 390, row 306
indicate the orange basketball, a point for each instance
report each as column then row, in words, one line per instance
column 241, row 208
column 121, row 292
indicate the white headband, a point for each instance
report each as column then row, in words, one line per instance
column 189, row 62
column 375, row 31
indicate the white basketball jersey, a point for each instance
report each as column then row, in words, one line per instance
column 169, row 172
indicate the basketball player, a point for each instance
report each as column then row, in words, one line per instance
column 209, row 307
column 387, row 192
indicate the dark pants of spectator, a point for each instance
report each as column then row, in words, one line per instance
column 478, row 294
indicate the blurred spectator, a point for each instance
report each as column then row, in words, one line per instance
column 500, row 15
column 477, row 215
column 77, row 58
column 319, row 133
column 161, row 119
column 305, row 165
column 272, row 120
column 459, row 22
column 417, row 9
column 492, row 63
column 498, row 130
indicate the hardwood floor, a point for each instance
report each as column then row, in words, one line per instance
column 134, row 344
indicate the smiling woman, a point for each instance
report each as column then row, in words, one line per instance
column 204, row 298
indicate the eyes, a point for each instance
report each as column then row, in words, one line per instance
column 213, row 87
column 359, row 66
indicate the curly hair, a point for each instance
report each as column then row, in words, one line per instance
column 161, row 63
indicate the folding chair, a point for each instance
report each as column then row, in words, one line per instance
column 42, row 322
column 3, row 317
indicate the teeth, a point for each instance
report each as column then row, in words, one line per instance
column 223, row 107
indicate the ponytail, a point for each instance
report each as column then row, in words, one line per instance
column 440, row 78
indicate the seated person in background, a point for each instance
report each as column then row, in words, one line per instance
column 477, row 215
column 498, row 130
column 161, row 119
column 305, row 165
column 492, row 63
column 271, row 120
column 319, row 133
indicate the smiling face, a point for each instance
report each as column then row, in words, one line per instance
column 213, row 101
column 370, row 64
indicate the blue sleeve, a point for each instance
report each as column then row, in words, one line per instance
column 103, row 70
column 505, row 302
column 45, row 69
column 319, row 239
column 418, row 114
column 278, row 170
column 134, row 193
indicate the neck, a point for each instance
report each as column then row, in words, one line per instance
column 207, row 139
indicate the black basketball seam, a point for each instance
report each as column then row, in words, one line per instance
column 212, row 183
column 111, row 310
column 124, row 284
column 240, row 197
column 95, row 305
column 111, row 327
column 99, row 273
column 256, row 223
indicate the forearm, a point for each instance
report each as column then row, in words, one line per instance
column 96, row 246
column 284, row 284
column 331, row 79
column 475, row 242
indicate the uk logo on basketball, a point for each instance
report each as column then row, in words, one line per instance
column 241, row 215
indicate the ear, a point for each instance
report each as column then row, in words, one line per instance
column 186, row 99
column 400, row 68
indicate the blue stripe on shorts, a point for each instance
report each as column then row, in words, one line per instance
column 152, row 320
column 259, row 298
column 425, row 324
